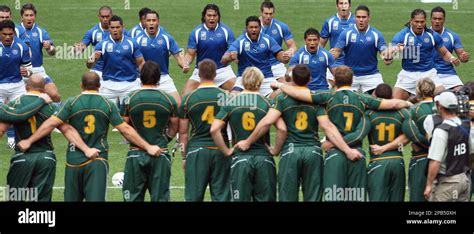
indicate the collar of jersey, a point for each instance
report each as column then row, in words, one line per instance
column 157, row 33
column 261, row 22
column 100, row 27
column 366, row 31
column 148, row 87
column 207, row 85
column 33, row 93
column 441, row 31
column 32, row 27
column 259, row 36
column 305, row 48
column 344, row 88
column 250, row 91
column 111, row 39
column 337, row 15
column 427, row 100
column 422, row 33
column 4, row 46
column 88, row 91
column 204, row 25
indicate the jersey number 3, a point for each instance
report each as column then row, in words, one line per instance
column 90, row 124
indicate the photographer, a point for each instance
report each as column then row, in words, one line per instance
column 448, row 170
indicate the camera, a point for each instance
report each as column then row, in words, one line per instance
column 463, row 102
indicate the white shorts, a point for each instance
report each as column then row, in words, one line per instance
column 265, row 89
column 10, row 91
column 223, row 75
column 42, row 72
column 115, row 90
column 366, row 83
column 449, row 81
column 279, row 70
column 167, row 84
column 407, row 80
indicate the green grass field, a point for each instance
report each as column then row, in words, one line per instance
column 68, row 20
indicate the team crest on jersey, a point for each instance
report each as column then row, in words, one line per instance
column 247, row 46
column 110, row 48
column 125, row 47
column 335, row 25
column 144, row 41
column 427, row 40
column 305, row 59
column 203, row 35
column 351, row 25
column 160, row 42
column 274, row 31
column 368, row 38
column 262, row 45
column 321, row 59
column 35, row 34
column 99, row 36
column 411, row 41
column 445, row 39
column 15, row 52
column 353, row 37
column 218, row 34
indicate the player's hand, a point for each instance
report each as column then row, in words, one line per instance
column 271, row 150
column 234, row 57
column 186, row 68
column 229, row 152
column 276, row 85
column 79, row 47
column 400, row 46
column 354, row 155
column 23, row 145
column 287, row 55
column 242, row 145
column 45, row 97
column 415, row 148
column 92, row 153
column 327, row 145
column 427, row 192
column 154, row 150
column 24, row 72
column 464, row 57
column 183, row 164
column 333, row 52
column 377, row 149
column 455, row 61
column 47, row 45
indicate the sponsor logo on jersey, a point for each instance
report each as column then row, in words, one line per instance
column 274, row 31
column 262, row 45
column 160, row 42
column 321, row 59
column 411, row 41
column 305, row 59
column 427, row 40
column 110, row 47
column 203, row 35
column 247, row 46
column 353, row 37
column 144, row 41
column 1, row 51
column 125, row 47
column 35, row 34
column 15, row 51
column 99, row 36
column 445, row 39
column 219, row 34
column 368, row 38
column 335, row 25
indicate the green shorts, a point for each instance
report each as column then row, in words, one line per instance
column 86, row 181
column 386, row 179
column 417, row 176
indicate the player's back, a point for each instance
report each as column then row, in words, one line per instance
column 385, row 127
column 200, row 107
column 345, row 109
column 419, row 112
column 243, row 118
column 25, row 129
column 300, row 119
column 150, row 111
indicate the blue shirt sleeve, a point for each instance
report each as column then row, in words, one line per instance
column 234, row 47
column 331, row 61
column 274, row 47
column 137, row 53
column 325, row 30
column 46, row 36
column 398, row 38
column 174, row 47
column 341, row 40
column 287, row 35
column 438, row 40
column 192, row 43
column 87, row 39
column 25, row 57
column 294, row 60
column 457, row 41
column 381, row 45
column 99, row 45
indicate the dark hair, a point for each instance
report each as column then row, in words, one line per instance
column 143, row 12
column 90, row 81
column 252, row 19
column 210, row 7
column 151, row 73
column 27, row 6
column 105, row 8
column 5, row 8
column 343, row 76
column 311, row 31
column 438, row 9
column 337, row 2
column 153, row 12
column 383, row 91
column 301, row 74
column 7, row 24
column 207, row 69
column 363, row 8
column 267, row 4
column 470, row 85
column 116, row 18
column 415, row 13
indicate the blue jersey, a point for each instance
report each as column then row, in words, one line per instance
column 158, row 48
column 280, row 32
column 119, row 59
column 11, row 58
column 418, row 49
column 360, row 49
column 210, row 43
column 333, row 27
column 138, row 30
column 255, row 53
column 20, row 32
column 452, row 42
column 318, row 63
column 35, row 37
column 93, row 36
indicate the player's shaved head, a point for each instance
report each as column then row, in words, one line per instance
column 252, row 78
column 301, row 75
column 425, row 88
column 90, row 81
column 383, row 91
column 151, row 73
column 343, row 76
column 106, row 9
column 35, row 83
column 207, row 70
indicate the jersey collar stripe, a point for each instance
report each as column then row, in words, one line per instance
column 196, row 35
column 226, row 34
column 330, row 24
column 280, row 31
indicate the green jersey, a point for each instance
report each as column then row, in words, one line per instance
column 346, row 109
column 20, row 114
column 415, row 129
column 300, row 119
column 90, row 114
column 25, row 129
column 385, row 127
column 200, row 107
column 150, row 111
column 243, row 112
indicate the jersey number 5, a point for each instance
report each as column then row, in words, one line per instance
column 149, row 119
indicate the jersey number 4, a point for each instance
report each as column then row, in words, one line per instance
column 208, row 115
